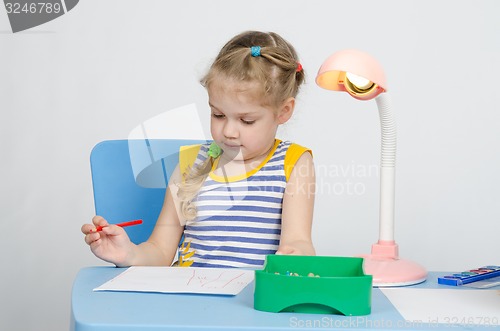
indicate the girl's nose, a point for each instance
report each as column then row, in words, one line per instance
column 230, row 130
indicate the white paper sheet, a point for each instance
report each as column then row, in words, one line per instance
column 180, row 280
column 452, row 306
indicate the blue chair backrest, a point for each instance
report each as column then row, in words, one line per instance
column 129, row 178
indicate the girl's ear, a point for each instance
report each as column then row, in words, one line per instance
column 286, row 110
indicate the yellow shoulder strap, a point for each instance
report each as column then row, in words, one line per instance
column 293, row 154
column 187, row 157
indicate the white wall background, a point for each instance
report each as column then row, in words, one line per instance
column 106, row 66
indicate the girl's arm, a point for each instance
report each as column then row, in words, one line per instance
column 298, row 205
column 162, row 245
column 113, row 245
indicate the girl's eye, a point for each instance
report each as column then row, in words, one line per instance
column 248, row 122
column 218, row 115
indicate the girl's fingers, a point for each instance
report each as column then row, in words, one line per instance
column 92, row 237
column 86, row 228
column 99, row 221
column 112, row 230
column 95, row 245
column 96, row 221
column 286, row 250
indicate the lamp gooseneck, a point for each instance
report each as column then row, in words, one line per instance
column 387, row 167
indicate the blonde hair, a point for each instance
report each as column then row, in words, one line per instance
column 278, row 75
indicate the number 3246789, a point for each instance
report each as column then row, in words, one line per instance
column 33, row 8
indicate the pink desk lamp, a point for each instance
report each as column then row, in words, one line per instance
column 360, row 75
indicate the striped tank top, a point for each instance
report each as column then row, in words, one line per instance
column 238, row 219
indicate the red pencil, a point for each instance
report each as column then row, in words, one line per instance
column 124, row 224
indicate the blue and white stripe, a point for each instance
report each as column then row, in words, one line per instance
column 238, row 223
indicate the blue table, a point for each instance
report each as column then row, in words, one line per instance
column 126, row 311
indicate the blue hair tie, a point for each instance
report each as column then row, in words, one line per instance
column 255, row 51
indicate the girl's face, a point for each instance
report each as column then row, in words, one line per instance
column 240, row 124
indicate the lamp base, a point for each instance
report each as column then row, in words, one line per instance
column 388, row 269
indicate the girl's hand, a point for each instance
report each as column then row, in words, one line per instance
column 298, row 247
column 288, row 250
column 111, row 244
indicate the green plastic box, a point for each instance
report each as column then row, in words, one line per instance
column 341, row 288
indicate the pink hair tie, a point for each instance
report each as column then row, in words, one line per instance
column 299, row 67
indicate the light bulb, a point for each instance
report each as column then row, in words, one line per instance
column 360, row 87
column 358, row 81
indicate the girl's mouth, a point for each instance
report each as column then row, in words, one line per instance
column 231, row 146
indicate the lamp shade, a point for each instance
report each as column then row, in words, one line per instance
column 334, row 74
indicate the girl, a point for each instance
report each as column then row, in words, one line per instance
column 247, row 194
